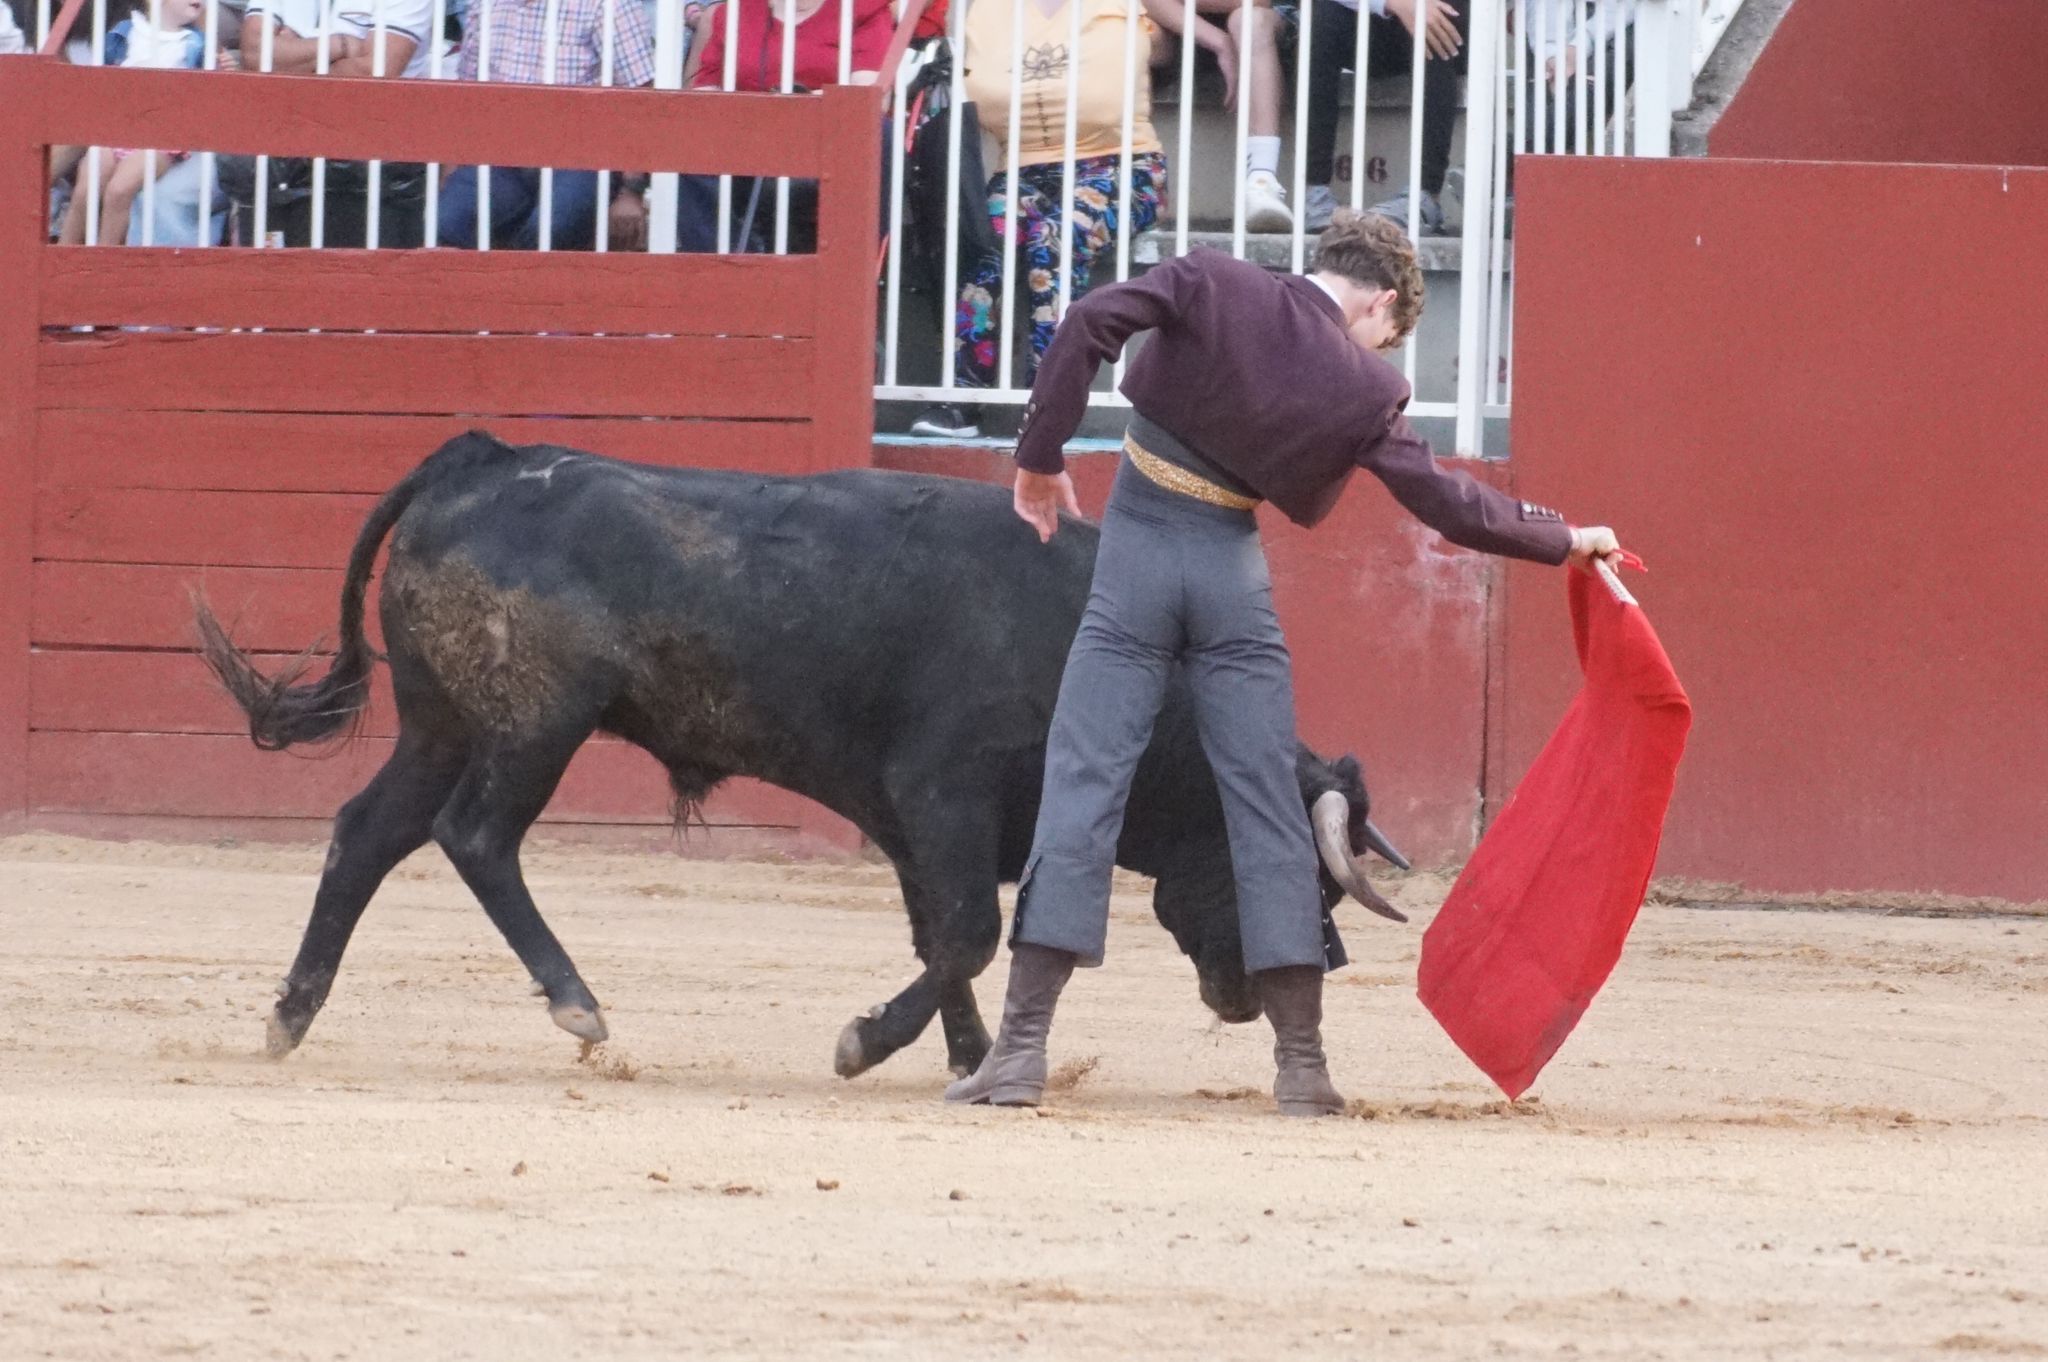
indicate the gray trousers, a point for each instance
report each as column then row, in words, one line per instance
column 1176, row 579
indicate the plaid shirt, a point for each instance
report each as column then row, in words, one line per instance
column 518, row 32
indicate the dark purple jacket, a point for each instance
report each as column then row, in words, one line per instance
column 1256, row 372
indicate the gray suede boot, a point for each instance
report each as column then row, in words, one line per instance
column 1013, row 1074
column 1294, row 1004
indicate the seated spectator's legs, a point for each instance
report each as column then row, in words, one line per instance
column 176, row 220
column 978, row 315
column 1334, row 46
column 697, row 215
column 118, row 203
column 1439, row 101
column 1391, row 52
column 572, row 211
column 515, row 196
column 697, row 212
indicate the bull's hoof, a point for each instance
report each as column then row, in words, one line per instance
column 849, row 1057
column 281, row 1037
column 584, row 1023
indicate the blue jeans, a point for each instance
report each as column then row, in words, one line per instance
column 175, row 221
column 515, row 208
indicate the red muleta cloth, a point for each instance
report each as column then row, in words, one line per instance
column 1536, row 921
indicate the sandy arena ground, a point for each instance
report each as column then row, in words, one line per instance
column 1778, row 1134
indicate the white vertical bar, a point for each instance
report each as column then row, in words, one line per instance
column 899, row 130
column 42, row 23
column 1298, row 257
column 1071, row 131
column 380, row 68
column 1361, row 100
column 1583, row 144
column 147, row 201
column 323, row 63
column 550, row 65
column 1603, row 15
column 1184, row 163
column 1653, row 79
column 1476, row 231
column 1244, row 123
column 846, row 43
column 204, row 234
column 1419, row 57
column 266, row 63
column 1006, row 353
column 1623, row 137
column 1558, row 106
column 91, row 175
column 949, row 295
column 1126, row 157
column 789, row 23
column 1539, row 81
column 607, row 57
column 664, row 186
column 483, row 73
column 1524, row 40
column 432, row 224
column 1496, row 274
column 732, row 56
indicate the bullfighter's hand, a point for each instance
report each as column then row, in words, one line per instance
column 1040, row 499
column 1590, row 542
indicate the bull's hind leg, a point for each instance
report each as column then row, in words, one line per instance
column 380, row 827
column 500, row 794
column 949, row 886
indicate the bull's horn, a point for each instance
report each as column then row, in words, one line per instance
column 1331, row 814
column 1375, row 840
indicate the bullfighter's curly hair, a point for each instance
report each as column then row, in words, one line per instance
column 1373, row 252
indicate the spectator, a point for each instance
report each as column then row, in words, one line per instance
column 516, row 32
column 758, row 67
column 1333, row 43
column 1560, row 36
column 299, row 29
column 163, row 39
column 12, row 42
column 1039, row 175
column 1265, row 201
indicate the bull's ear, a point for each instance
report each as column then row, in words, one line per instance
column 1348, row 769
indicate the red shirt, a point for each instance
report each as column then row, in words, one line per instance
column 758, row 65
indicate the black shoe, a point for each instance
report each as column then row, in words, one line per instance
column 946, row 423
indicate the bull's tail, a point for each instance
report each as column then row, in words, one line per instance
column 282, row 713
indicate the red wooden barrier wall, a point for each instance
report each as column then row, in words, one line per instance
column 139, row 465
column 1819, row 414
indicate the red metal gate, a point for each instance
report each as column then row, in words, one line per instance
column 230, row 414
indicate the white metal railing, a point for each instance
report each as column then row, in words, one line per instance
column 1583, row 77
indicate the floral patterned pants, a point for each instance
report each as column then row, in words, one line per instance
column 977, row 319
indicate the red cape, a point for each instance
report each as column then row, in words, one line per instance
column 1537, row 920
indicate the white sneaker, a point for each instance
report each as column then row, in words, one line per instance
column 1265, row 204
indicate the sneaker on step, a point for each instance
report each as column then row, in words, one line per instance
column 1429, row 221
column 1265, row 204
column 946, row 423
column 1319, row 207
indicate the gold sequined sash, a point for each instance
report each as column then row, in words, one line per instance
column 1174, row 478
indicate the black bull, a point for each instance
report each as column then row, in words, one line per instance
column 885, row 644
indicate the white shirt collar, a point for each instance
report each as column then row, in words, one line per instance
column 1317, row 280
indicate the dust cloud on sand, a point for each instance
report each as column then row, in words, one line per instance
column 1787, row 1134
